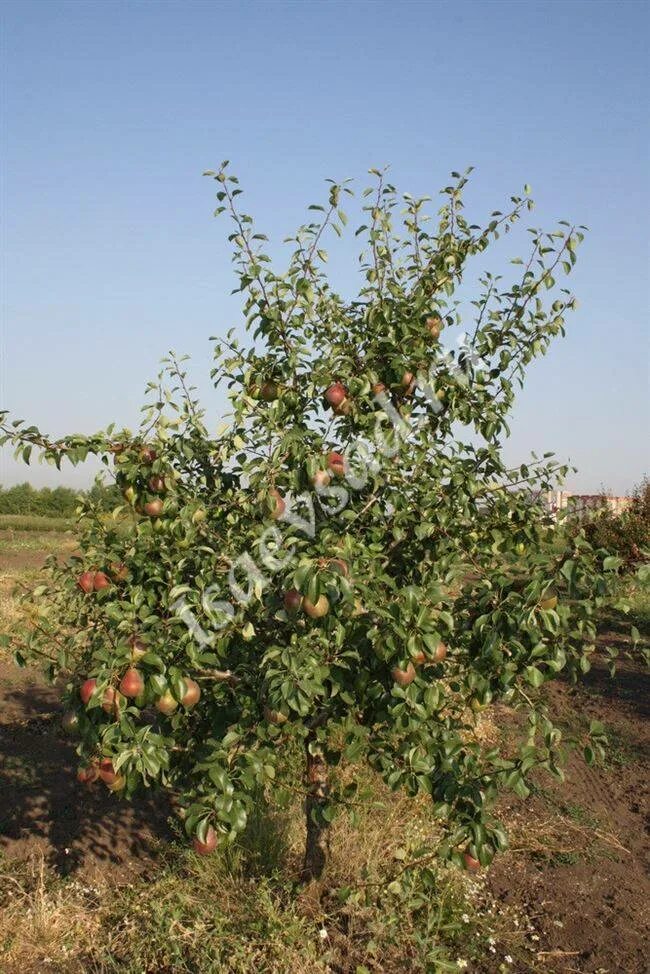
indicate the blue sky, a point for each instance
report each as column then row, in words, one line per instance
column 112, row 110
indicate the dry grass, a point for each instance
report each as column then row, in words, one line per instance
column 10, row 610
column 35, row 522
column 45, row 923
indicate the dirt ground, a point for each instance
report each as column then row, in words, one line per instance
column 43, row 807
column 587, row 893
column 577, row 870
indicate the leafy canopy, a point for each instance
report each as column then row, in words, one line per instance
column 361, row 471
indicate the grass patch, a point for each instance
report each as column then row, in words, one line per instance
column 242, row 910
column 35, row 522
column 51, row 542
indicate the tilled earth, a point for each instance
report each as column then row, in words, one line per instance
column 578, row 867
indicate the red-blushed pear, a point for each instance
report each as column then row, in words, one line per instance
column 274, row 716
column 321, row 479
column 208, row 846
column 408, row 383
column 148, row 454
column 403, row 677
column 471, row 864
column 86, row 582
column 433, row 325
column 317, row 609
column 111, row 702
column 437, row 656
column 86, row 690
column 88, row 774
column 118, row 571
column 269, row 390
column 157, row 484
column 277, row 504
column 336, row 463
column 153, row 508
column 292, row 600
column 132, row 684
column 166, row 704
column 101, row 581
column 107, row 772
column 336, row 393
column 378, row 388
column 440, row 653
column 192, row 693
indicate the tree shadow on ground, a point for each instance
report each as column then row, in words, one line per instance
column 265, row 844
column 630, row 686
column 42, row 805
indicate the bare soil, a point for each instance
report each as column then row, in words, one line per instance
column 42, row 806
column 579, row 866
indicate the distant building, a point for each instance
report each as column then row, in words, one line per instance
column 582, row 504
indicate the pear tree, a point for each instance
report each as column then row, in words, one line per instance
column 347, row 568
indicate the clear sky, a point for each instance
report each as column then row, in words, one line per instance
column 111, row 111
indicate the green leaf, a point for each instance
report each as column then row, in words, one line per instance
column 534, row 676
column 612, row 563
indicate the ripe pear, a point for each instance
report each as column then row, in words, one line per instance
column 318, row 609
column 403, row 677
column 153, row 508
column 336, row 463
column 292, row 600
column 192, row 693
column 86, row 582
column 336, row 394
column 210, row 844
column 100, row 581
column 132, row 684
column 86, row 690
column 166, row 704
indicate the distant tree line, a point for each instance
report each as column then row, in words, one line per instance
column 54, row 501
column 626, row 534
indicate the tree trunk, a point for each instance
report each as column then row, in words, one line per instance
column 317, row 843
